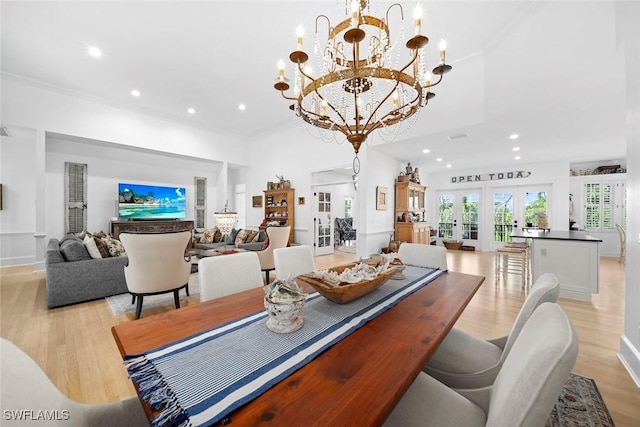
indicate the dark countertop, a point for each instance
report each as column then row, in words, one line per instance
column 555, row 235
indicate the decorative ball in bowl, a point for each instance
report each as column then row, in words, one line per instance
column 283, row 301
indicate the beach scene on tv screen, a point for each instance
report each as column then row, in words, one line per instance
column 137, row 201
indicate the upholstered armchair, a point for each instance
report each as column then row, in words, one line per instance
column 278, row 237
column 345, row 229
column 157, row 265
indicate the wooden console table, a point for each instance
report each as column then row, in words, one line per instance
column 159, row 226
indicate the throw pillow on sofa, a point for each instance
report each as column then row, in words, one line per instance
column 114, row 246
column 91, row 246
column 241, row 237
column 208, row 235
column 102, row 247
column 231, row 238
column 73, row 249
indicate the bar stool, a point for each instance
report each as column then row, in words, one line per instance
column 513, row 258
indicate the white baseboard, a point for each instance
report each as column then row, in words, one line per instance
column 630, row 358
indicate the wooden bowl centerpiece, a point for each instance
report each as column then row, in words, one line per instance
column 330, row 285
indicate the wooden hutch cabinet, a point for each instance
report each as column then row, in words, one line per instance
column 279, row 208
column 410, row 226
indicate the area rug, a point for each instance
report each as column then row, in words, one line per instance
column 121, row 304
column 580, row 404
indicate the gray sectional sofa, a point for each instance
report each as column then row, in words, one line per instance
column 74, row 276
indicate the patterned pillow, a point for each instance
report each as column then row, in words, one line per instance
column 208, row 235
column 102, row 247
column 251, row 237
column 99, row 234
column 256, row 237
column 115, row 246
column 241, row 237
column 217, row 238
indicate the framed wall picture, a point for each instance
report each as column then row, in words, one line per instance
column 257, row 201
column 381, row 198
column 301, row 200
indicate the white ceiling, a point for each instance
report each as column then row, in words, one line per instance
column 550, row 71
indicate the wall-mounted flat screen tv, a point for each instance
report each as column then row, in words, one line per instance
column 140, row 202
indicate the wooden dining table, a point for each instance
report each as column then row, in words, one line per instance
column 357, row 381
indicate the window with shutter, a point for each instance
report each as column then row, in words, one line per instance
column 601, row 209
column 75, row 196
column 200, row 201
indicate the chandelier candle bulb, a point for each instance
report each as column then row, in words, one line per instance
column 443, row 47
column 417, row 15
column 355, row 11
column 281, row 70
column 300, row 34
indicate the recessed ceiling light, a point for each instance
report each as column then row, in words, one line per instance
column 439, row 159
column 517, row 157
column 516, row 148
column 514, row 136
column 449, row 165
column 191, row 111
column 135, row 93
column 94, row 51
column 426, row 151
column 242, row 107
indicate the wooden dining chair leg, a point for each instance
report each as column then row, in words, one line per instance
column 133, row 298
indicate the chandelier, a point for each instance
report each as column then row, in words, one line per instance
column 362, row 84
column 225, row 220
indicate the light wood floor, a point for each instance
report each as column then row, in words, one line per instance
column 75, row 347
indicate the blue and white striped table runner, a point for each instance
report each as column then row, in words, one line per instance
column 201, row 379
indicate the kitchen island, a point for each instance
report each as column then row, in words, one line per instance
column 573, row 256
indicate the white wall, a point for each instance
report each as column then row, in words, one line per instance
column 296, row 155
column 47, row 114
column 628, row 20
column 554, row 173
column 108, row 165
column 18, row 178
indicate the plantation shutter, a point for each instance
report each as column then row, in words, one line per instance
column 75, row 196
column 200, row 202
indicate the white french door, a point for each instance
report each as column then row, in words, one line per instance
column 517, row 207
column 323, row 223
column 459, row 216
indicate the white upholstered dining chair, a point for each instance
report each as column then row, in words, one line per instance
column 422, row 255
column 26, row 387
column 293, row 261
column 278, row 238
column 524, row 392
column 228, row 274
column 157, row 265
column 464, row 361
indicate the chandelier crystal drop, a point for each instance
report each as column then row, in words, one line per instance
column 364, row 84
